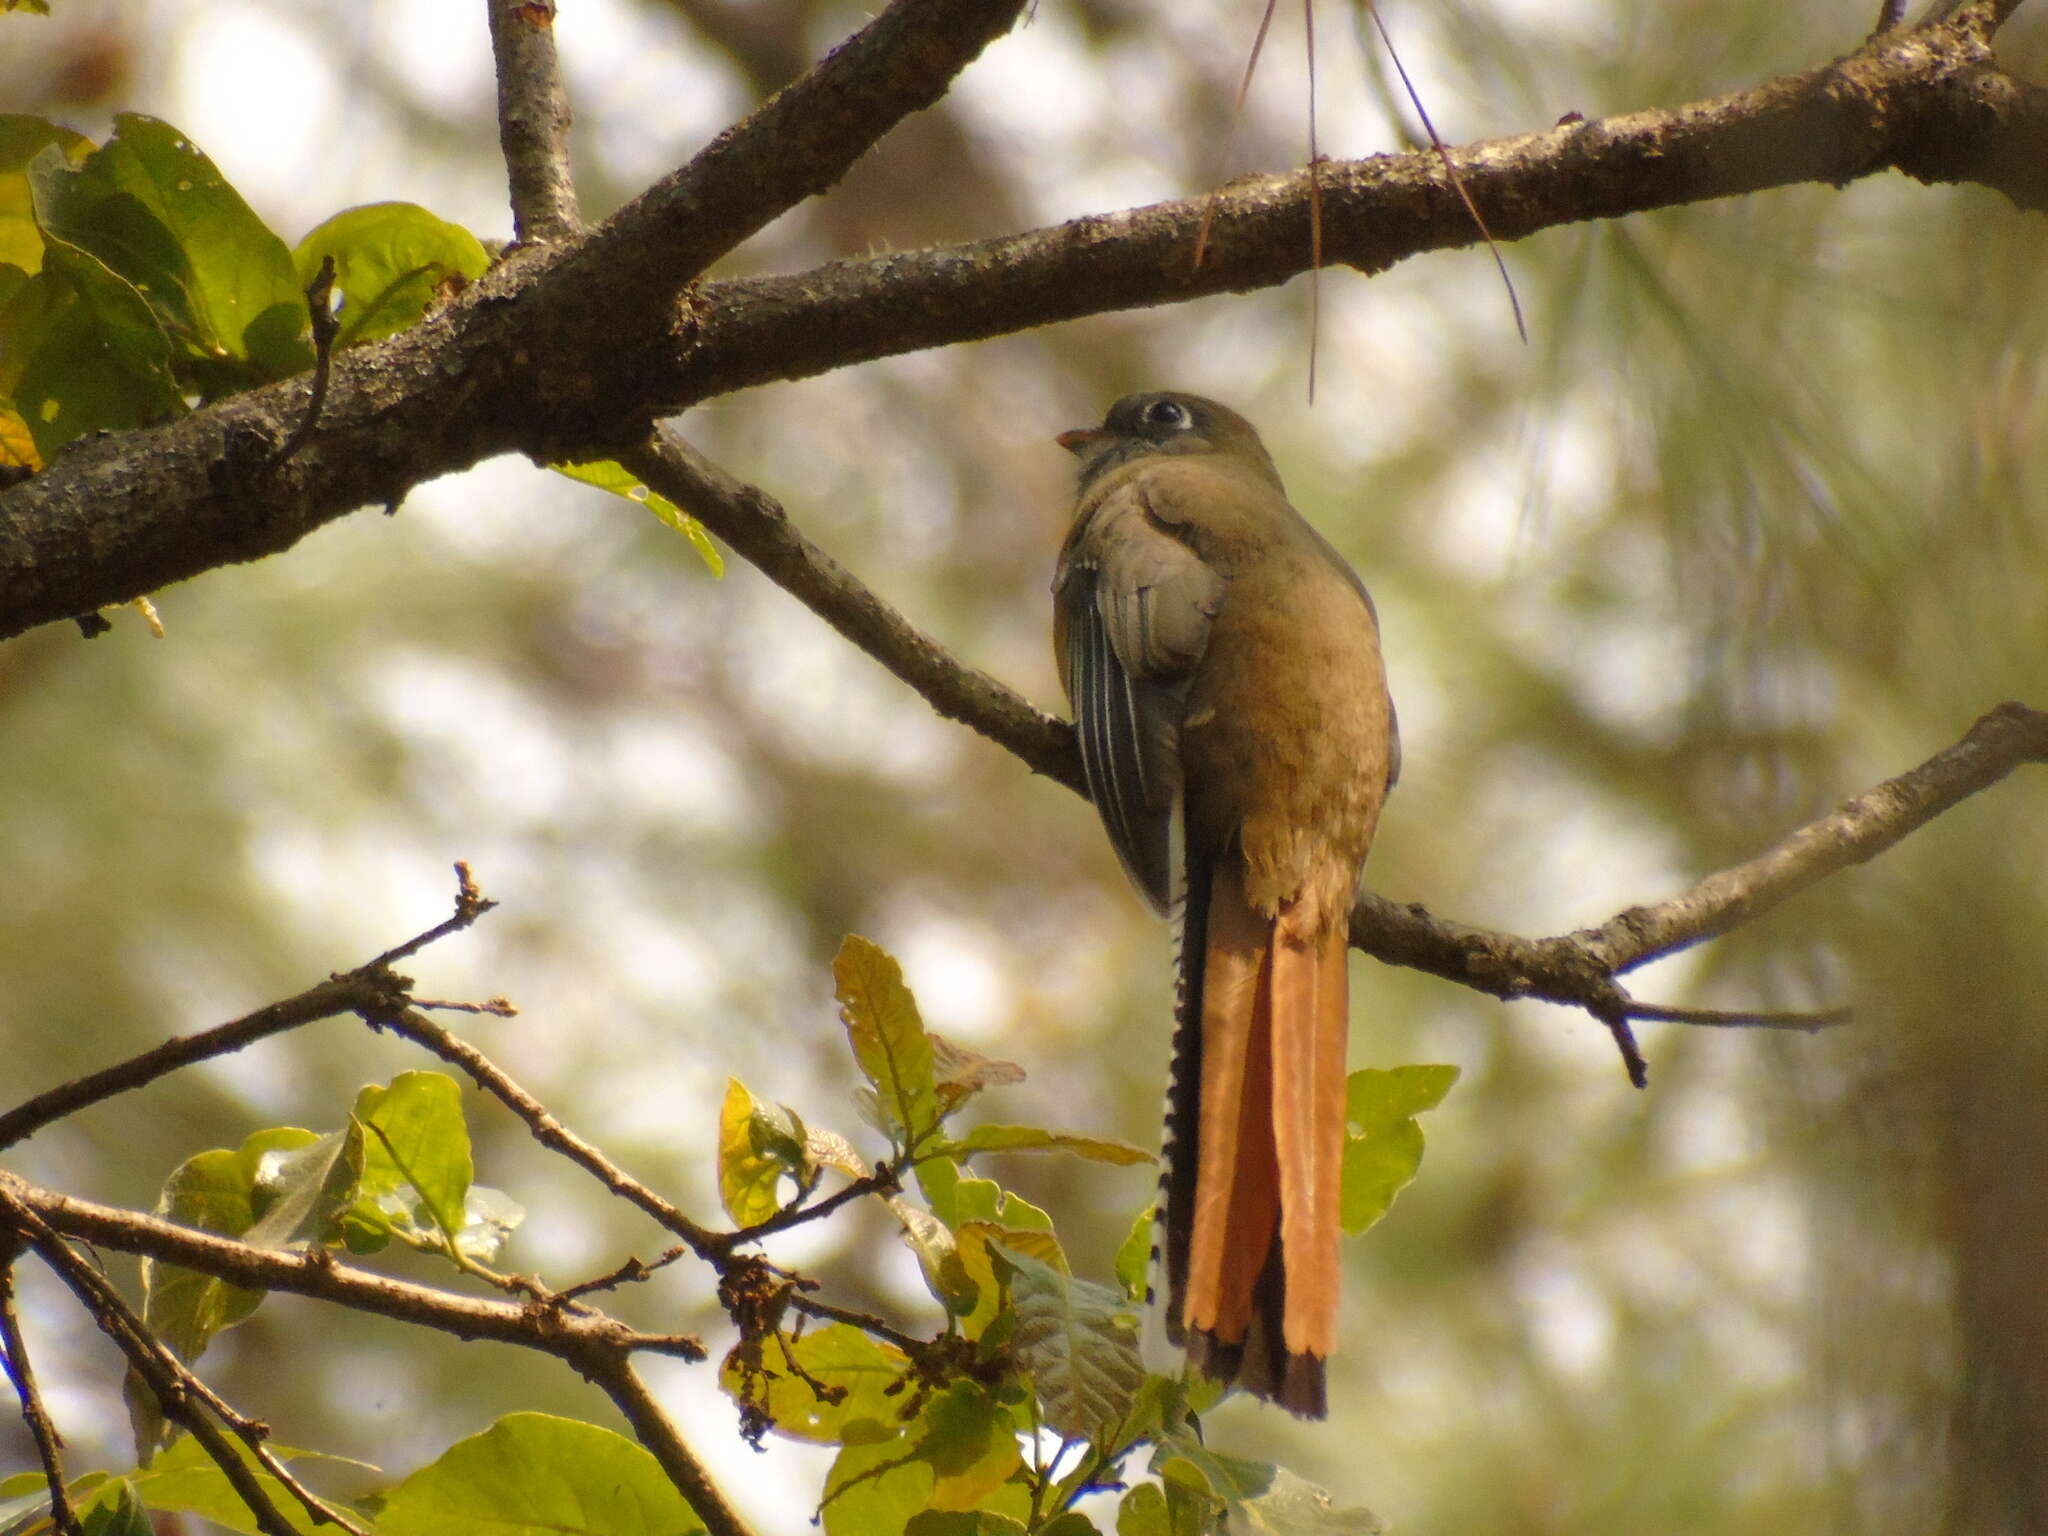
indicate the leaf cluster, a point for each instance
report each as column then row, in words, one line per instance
column 136, row 284
column 1030, row 1397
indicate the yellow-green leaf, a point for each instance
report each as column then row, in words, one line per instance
column 833, row 1384
column 887, row 1035
column 750, row 1171
column 531, row 1474
column 610, row 475
column 1384, row 1147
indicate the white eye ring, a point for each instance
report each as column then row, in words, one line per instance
column 1167, row 413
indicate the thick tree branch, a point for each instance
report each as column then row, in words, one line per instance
column 533, row 121
column 570, row 353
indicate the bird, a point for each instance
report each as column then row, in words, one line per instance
column 1238, row 741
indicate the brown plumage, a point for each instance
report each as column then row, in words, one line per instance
column 1224, row 667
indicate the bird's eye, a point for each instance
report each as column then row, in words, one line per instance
column 1167, row 413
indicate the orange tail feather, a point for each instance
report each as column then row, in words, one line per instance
column 1258, row 1297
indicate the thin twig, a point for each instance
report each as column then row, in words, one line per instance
column 882, row 1180
column 533, row 121
column 326, row 326
column 166, row 1379
column 754, row 524
column 632, row 1272
column 49, row 1444
column 368, row 986
column 867, row 1322
column 615, row 1377
column 337, row 995
column 173, row 1382
column 1805, row 1023
column 546, row 1129
column 470, row 904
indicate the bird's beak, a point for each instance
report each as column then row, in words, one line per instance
column 1080, row 440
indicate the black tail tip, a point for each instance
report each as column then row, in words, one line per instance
column 1298, row 1383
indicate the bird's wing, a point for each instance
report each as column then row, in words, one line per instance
column 1134, row 606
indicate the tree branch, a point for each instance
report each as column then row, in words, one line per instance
column 615, row 1377
column 1579, row 968
column 533, row 121
column 569, row 353
column 166, row 1379
column 34, row 1412
column 547, row 1130
column 565, row 1332
column 366, row 989
column 754, row 524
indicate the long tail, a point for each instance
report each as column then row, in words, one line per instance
column 1255, row 1144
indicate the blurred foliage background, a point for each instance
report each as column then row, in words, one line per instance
column 1754, row 521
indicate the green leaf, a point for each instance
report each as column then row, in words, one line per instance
column 1134, row 1255
column 1143, row 1513
column 959, row 1453
column 970, row 1439
column 748, row 1174
column 1293, row 1506
column 531, row 1474
column 392, row 262
column 184, row 1477
column 416, row 1161
column 938, row 1257
column 888, row 1037
column 1072, row 1523
column 985, row 1213
column 1257, row 1496
column 862, row 1381
column 114, row 1511
column 154, row 210
column 1079, row 1341
column 25, row 1500
column 83, row 354
column 963, row 1522
column 987, row 1201
column 303, row 1190
column 939, row 1180
column 21, row 139
column 1032, row 1138
column 1384, row 1147
column 875, row 1487
column 758, row 1145
column 216, row 1192
column 610, row 475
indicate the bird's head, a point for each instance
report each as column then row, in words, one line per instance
column 1164, row 422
